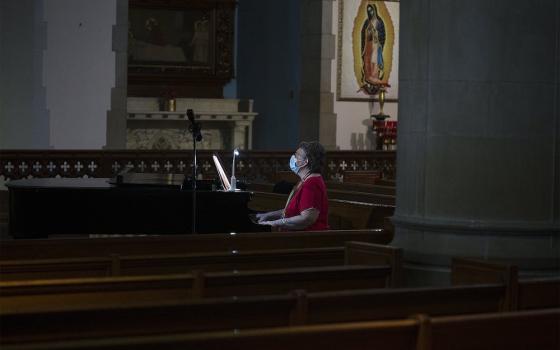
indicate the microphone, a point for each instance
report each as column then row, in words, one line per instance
column 195, row 127
column 190, row 115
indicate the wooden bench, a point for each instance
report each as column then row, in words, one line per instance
column 69, row 321
column 182, row 244
column 364, row 188
column 466, row 271
column 515, row 330
column 343, row 214
column 348, row 191
column 110, row 290
column 354, row 253
column 351, row 192
column 538, row 293
column 512, row 330
column 363, row 197
column 362, row 176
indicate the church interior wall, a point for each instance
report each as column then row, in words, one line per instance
column 69, row 45
column 79, row 71
column 24, row 120
column 268, row 69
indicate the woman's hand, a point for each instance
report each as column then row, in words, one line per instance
column 262, row 217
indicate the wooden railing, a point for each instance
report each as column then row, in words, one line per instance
column 250, row 165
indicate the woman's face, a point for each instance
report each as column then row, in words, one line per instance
column 301, row 157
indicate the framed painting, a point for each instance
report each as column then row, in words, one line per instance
column 179, row 45
column 172, row 39
column 368, row 49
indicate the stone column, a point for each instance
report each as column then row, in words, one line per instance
column 317, row 117
column 24, row 118
column 478, row 157
column 116, row 116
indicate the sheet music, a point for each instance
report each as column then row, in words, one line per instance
column 223, row 178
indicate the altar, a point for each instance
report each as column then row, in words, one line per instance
column 226, row 123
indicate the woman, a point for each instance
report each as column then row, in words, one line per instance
column 307, row 207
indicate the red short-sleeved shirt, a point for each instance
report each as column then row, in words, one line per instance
column 311, row 194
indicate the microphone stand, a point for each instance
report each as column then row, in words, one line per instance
column 196, row 136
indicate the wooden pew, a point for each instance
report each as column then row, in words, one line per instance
column 182, row 244
column 70, row 322
column 363, row 197
column 134, row 265
column 354, row 253
column 465, row 271
column 352, row 192
column 512, row 330
column 299, row 308
column 110, row 290
column 538, row 293
column 343, row 214
column 358, row 187
column 515, row 330
column 362, row 176
column 522, row 294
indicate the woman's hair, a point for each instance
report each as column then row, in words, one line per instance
column 315, row 153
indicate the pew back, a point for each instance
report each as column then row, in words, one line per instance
column 343, row 214
column 357, row 253
column 183, row 244
column 512, row 330
column 39, row 294
column 133, row 265
column 465, row 271
column 68, row 322
column 539, row 293
column 515, row 330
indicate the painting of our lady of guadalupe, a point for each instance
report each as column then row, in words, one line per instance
column 367, row 49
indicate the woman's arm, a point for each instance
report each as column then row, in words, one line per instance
column 298, row 222
column 271, row 215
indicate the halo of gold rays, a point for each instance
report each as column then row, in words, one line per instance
column 361, row 16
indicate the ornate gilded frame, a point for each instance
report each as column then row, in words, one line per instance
column 347, row 76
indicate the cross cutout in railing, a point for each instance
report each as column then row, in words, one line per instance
column 9, row 167
column 23, row 167
column 168, row 166
column 51, row 167
column 142, row 166
column 116, row 166
column 181, row 166
column 78, row 166
column 92, row 166
column 65, row 166
column 37, row 167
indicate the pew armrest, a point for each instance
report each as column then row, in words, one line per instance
column 360, row 253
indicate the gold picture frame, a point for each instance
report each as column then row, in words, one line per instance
column 367, row 49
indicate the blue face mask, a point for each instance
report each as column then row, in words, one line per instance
column 293, row 166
